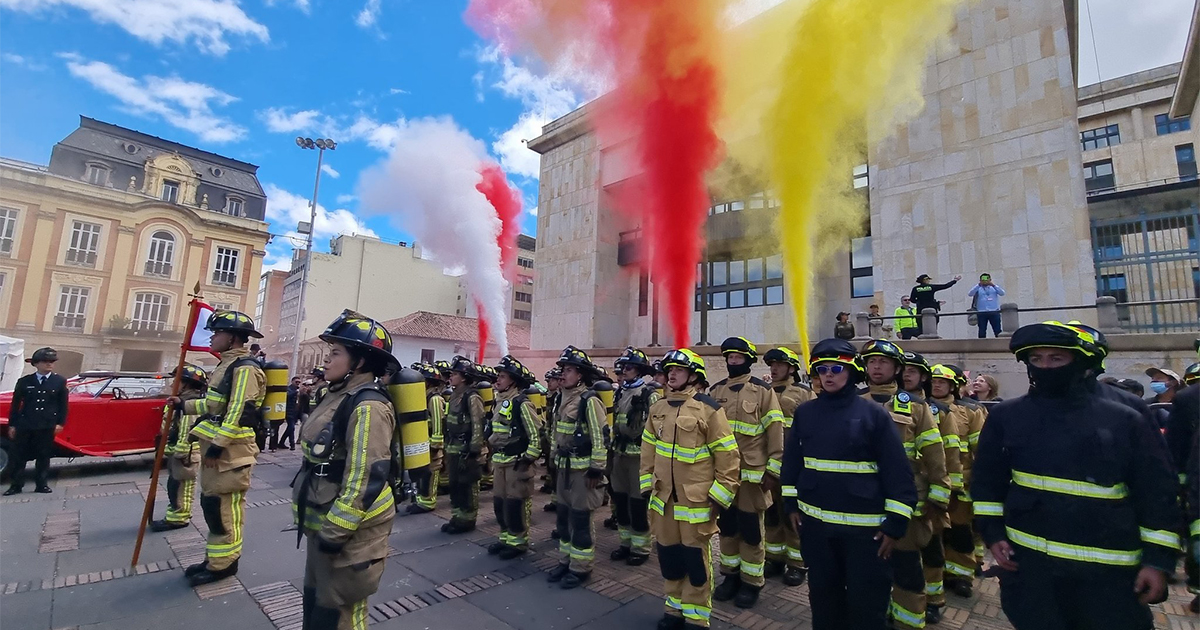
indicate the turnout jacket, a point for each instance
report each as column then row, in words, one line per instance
column 579, row 423
column 753, row 413
column 353, row 507
column 791, row 395
column 689, row 456
column 180, row 444
column 1077, row 485
column 922, row 441
column 515, row 426
column 463, row 429
column 632, row 409
column 39, row 405
column 845, row 465
column 435, row 409
column 220, row 412
column 954, row 423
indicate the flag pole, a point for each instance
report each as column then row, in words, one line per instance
column 168, row 413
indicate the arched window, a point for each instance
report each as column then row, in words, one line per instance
column 162, row 254
column 151, row 311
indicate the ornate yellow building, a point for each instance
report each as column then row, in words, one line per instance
column 99, row 250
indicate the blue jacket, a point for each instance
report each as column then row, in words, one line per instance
column 986, row 298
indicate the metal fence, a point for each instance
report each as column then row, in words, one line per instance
column 1151, row 265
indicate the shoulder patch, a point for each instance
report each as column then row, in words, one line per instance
column 804, row 386
column 708, row 400
column 758, row 381
column 903, row 397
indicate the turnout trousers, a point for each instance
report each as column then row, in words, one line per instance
column 335, row 591
column 741, row 527
column 848, row 583
column 464, row 473
column 907, row 609
column 960, row 542
column 512, row 500
column 633, row 524
column 428, row 500
column 685, row 558
column 782, row 541
column 576, row 531
column 1041, row 600
column 181, row 491
column 223, row 501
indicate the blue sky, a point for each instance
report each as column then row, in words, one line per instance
column 243, row 79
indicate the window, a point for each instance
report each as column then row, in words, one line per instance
column 170, row 191
column 861, row 178
column 522, row 315
column 1098, row 176
column 151, row 311
column 72, row 308
column 8, row 230
column 234, row 206
column 521, row 296
column 85, row 240
column 525, row 262
column 862, row 262
column 4, row 281
column 643, row 293
column 1101, row 137
column 737, row 272
column 775, row 294
column 162, row 253
column 743, row 283
column 718, row 276
column 225, row 271
column 1114, row 285
column 1164, row 124
column 1185, row 159
column 775, row 267
column 524, row 279
column 221, row 306
column 96, row 173
column 426, row 355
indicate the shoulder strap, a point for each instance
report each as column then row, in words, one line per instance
column 227, row 378
column 758, row 381
column 341, row 416
column 708, row 400
column 720, row 383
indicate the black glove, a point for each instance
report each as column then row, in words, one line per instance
column 213, row 452
column 178, row 406
column 523, row 463
column 594, row 473
column 324, row 546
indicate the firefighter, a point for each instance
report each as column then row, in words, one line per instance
column 435, row 411
column 463, row 438
column 752, row 410
column 342, row 499
column 320, row 386
column 553, row 383
column 579, row 421
column 963, row 553
column 1073, row 494
column 515, row 446
column 660, row 375
column 849, row 491
column 181, row 453
column 918, row 430
column 229, row 411
column 783, row 542
column 631, row 409
column 689, row 474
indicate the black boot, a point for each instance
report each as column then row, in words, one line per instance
column 620, row 553
column 960, row 587
column 508, row 553
column 670, row 622
column 933, row 614
column 550, row 507
column 637, row 559
column 496, row 548
column 610, row 523
column 773, row 568
column 12, row 490
column 554, row 534
column 1195, row 605
column 747, row 596
column 461, row 527
column 414, row 508
column 794, row 576
column 575, row 580
column 165, row 525
column 728, row 588
column 43, row 489
column 557, row 573
column 207, row 577
column 195, row 568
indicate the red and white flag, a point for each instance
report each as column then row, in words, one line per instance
column 198, row 338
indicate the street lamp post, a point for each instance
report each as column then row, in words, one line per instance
column 321, row 144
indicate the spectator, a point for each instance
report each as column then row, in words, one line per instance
column 843, row 329
column 291, row 414
column 906, row 318
column 985, row 387
column 923, row 295
column 257, row 354
column 986, row 302
column 1164, row 383
column 1128, row 384
column 876, row 319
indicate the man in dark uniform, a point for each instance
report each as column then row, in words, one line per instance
column 37, row 414
column 1074, row 495
column 849, row 491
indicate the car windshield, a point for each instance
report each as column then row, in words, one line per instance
column 90, row 386
column 123, row 387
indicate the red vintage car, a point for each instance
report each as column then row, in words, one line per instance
column 110, row 414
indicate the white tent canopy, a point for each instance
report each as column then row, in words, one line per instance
column 12, row 362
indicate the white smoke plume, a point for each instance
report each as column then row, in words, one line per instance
column 427, row 185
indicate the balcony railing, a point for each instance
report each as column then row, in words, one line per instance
column 158, row 269
column 69, row 322
column 145, row 330
column 81, row 257
column 225, row 278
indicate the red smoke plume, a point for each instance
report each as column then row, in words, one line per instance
column 507, row 203
column 483, row 333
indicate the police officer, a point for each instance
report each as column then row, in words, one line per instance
column 753, row 413
column 918, row 430
column 579, row 439
column 1074, row 495
column 435, row 411
column 38, row 413
column 342, row 499
column 689, row 474
column 515, row 446
column 783, row 542
column 631, row 410
column 463, row 438
column 229, row 412
column 849, row 491
column 181, row 454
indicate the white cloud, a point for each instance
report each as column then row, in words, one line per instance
column 330, row 171
column 205, row 23
column 279, row 121
column 302, row 5
column 183, row 104
column 395, row 91
column 510, row 148
column 345, row 199
column 369, row 14
column 286, row 209
column 378, row 135
column 18, row 60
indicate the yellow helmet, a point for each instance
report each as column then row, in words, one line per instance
column 686, row 359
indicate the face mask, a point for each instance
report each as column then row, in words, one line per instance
column 1057, row 381
column 739, row 370
column 1158, row 387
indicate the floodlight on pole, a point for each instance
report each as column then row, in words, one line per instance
column 321, row 144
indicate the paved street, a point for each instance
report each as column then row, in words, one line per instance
column 64, row 563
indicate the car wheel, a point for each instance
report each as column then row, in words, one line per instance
column 5, row 447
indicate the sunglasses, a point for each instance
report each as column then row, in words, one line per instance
column 836, row 368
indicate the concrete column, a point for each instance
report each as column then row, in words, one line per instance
column 862, row 326
column 876, row 328
column 1106, row 313
column 1010, row 318
column 929, row 324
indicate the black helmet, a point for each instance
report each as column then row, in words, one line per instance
column 318, row 372
column 783, row 355
column 600, row 373
column 1055, row 335
column 740, row 345
column 442, row 366
column 193, row 374
column 554, row 373
column 427, row 371
column 918, row 361
column 658, row 366
column 232, row 321
column 485, row 372
column 465, row 366
column 835, row 351
column 574, row 356
column 359, row 331
column 637, row 358
column 517, row 370
column 44, row 354
column 882, row 348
